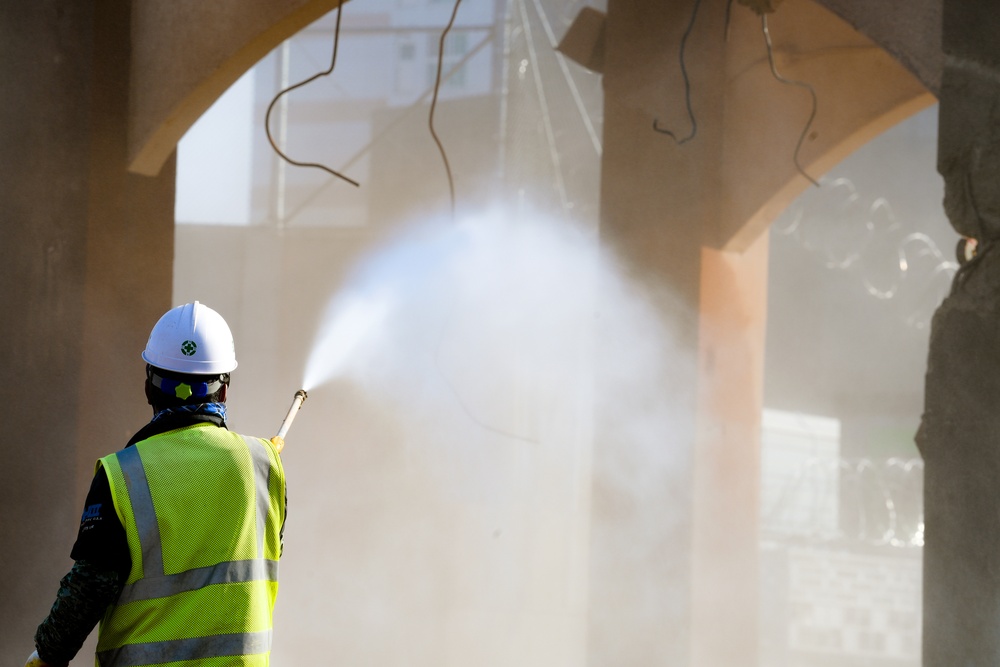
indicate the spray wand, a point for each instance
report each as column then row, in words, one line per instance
column 279, row 439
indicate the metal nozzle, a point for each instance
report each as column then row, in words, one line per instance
column 279, row 438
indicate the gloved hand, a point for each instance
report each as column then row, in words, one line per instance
column 35, row 661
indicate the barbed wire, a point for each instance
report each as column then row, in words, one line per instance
column 867, row 239
column 877, row 503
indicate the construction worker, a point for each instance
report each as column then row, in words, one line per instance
column 179, row 541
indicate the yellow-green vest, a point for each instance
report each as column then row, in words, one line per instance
column 202, row 509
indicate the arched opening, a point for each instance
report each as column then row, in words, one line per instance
column 456, row 531
column 857, row 269
column 442, row 481
column 185, row 54
column 506, row 492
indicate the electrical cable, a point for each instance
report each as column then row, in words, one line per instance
column 504, row 92
column 472, row 416
column 573, row 88
column 385, row 132
column 729, row 16
column 687, row 85
column 466, row 409
column 434, row 99
column 543, row 102
column 267, row 116
column 790, row 82
column 436, row 354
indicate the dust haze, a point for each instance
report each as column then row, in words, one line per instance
column 446, row 516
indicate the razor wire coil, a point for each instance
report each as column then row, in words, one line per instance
column 860, row 501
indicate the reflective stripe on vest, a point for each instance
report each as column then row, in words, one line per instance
column 154, row 583
column 216, row 646
column 224, row 573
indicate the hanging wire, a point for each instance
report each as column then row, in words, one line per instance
column 436, row 359
column 729, row 17
column 434, row 99
column 468, row 412
column 550, row 133
column 267, row 116
column 568, row 78
column 398, row 120
column 436, row 356
column 789, row 82
column 687, row 86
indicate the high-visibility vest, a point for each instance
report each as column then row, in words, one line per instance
column 202, row 509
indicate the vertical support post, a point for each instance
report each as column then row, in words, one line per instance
column 129, row 255
column 659, row 197
column 725, row 564
column 640, row 546
column 44, row 75
column 88, row 255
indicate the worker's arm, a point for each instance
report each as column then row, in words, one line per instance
column 102, row 566
column 84, row 595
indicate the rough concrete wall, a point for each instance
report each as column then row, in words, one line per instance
column 129, row 255
column 908, row 29
column 188, row 52
column 87, row 255
column 44, row 80
column 958, row 433
column 958, row 441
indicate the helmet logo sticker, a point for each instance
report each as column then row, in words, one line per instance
column 188, row 348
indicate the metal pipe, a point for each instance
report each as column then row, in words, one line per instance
column 279, row 439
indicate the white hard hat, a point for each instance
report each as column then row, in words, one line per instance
column 191, row 338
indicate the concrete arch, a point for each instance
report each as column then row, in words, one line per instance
column 861, row 89
column 694, row 217
column 186, row 53
column 90, row 246
column 908, row 29
column 783, row 197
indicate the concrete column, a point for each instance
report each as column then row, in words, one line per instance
column 655, row 197
column 725, row 541
column 128, row 275
column 958, row 433
column 44, row 78
column 87, row 260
